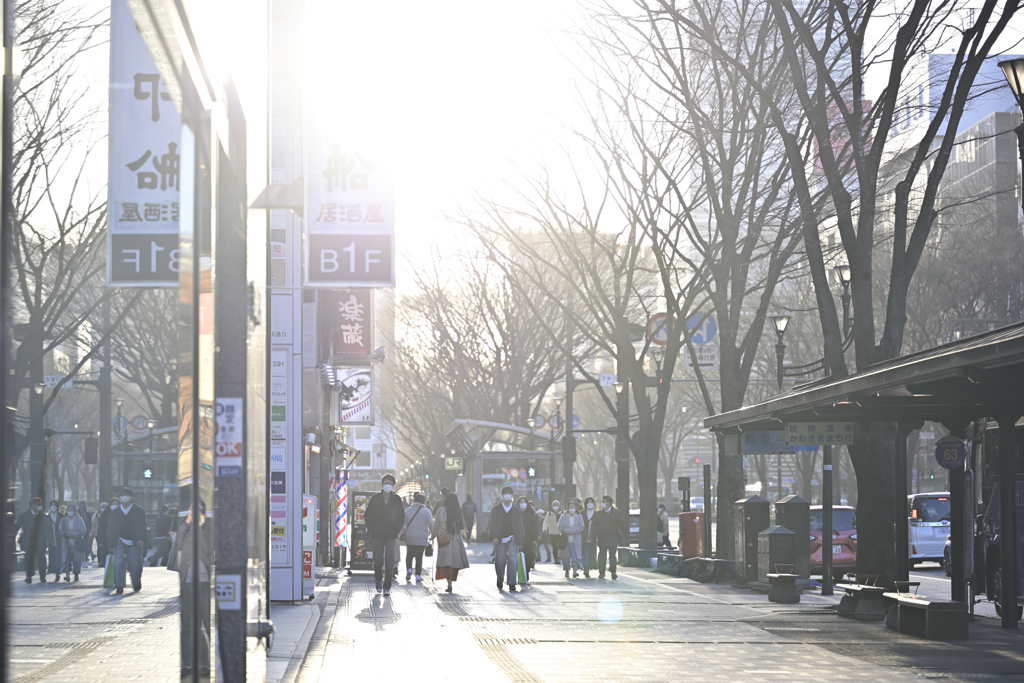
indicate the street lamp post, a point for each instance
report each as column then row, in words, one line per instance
column 531, row 422
column 1013, row 69
column 121, row 441
column 622, row 442
column 780, row 323
column 37, row 441
column 843, row 271
column 151, row 424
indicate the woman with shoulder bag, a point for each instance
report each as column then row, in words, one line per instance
column 72, row 534
column 451, row 549
column 416, row 533
column 551, row 526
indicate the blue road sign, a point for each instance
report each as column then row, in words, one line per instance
column 702, row 332
column 576, row 422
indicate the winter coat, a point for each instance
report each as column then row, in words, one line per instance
column 130, row 527
column 588, row 524
column 102, row 524
column 572, row 527
column 384, row 520
column 551, row 523
column 663, row 516
column 454, row 554
column 29, row 526
column 468, row 511
column 52, row 529
column 531, row 525
column 71, row 529
column 608, row 527
column 182, row 553
column 498, row 515
column 418, row 522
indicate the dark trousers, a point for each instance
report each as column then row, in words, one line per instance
column 607, row 549
column 189, row 621
column 384, row 554
column 589, row 555
column 414, row 553
column 556, row 540
column 56, row 559
column 160, row 555
column 35, row 560
column 530, row 551
column 469, row 527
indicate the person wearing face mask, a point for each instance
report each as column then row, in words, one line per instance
column 551, row 526
column 571, row 526
column 663, row 527
column 589, row 545
column 194, row 575
column 72, row 533
column 83, row 512
column 451, row 556
column 30, row 530
column 608, row 530
column 103, row 524
column 385, row 517
column 53, row 545
column 126, row 538
column 507, row 536
column 531, row 531
column 544, row 544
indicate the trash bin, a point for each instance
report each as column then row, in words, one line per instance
column 691, row 534
column 774, row 548
column 794, row 513
column 752, row 517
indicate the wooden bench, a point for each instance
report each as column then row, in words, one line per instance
column 863, row 599
column 930, row 618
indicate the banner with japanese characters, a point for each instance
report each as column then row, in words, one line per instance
column 355, row 395
column 350, row 224
column 143, row 176
column 346, row 317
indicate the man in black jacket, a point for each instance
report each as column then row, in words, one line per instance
column 385, row 515
column 162, row 538
column 33, row 525
column 507, row 536
column 607, row 528
column 126, row 538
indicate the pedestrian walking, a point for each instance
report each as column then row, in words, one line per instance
column 418, row 523
column 440, row 501
column 126, row 538
column 589, row 543
column 161, row 538
column 507, row 536
column 531, row 532
column 30, row 530
column 551, row 526
column 385, row 515
column 571, row 527
column 663, row 527
column 83, row 512
column 544, row 551
column 608, row 529
column 182, row 559
column 468, row 515
column 53, row 541
column 451, row 554
column 102, row 528
column 98, row 532
column 72, row 534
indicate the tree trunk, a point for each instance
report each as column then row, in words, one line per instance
column 872, row 454
column 647, row 483
column 730, row 489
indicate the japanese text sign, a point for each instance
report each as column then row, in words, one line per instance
column 819, row 433
column 144, row 163
column 770, row 442
column 347, row 316
column 951, row 452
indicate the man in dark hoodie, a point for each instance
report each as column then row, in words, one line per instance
column 385, row 516
column 507, row 534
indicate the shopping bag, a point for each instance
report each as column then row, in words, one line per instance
column 108, row 575
column 522, row 568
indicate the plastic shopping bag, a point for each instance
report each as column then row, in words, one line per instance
column 522, row 568
column 108, row 575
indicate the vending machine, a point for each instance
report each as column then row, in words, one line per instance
column 361, row 551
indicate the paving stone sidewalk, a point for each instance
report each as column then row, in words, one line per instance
column 642, row 627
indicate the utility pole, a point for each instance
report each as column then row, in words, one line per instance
column 568, row 439
column 105, row 455
column 622, row 417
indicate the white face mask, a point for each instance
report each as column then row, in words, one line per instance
column 522, row 506
column 125, row 500
column 53, row 508
column 555, row 508
column 71, row 513
column 387, row 488
column 590, row 506
column 606, row 506
column 572, row 511
column 507, row 497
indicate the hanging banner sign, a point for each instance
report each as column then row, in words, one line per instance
column 348, row 315
column 355, row 395
column 820, row 433
column 143, row 174
column 350, row 210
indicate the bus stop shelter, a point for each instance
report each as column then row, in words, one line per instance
column 953, row 384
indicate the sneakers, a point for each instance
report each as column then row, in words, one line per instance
column 28, row 579
column 387, row 592
column 601, row 575
column 380, row 585
column 419, row 578
column 408, row 575
column 575, row 574
column 137, row 588
column 120, row 591
column 511, row 588
column 586, row 573
column 614, row 576
column 499, row 584
column 567, row 573
column 67, row 578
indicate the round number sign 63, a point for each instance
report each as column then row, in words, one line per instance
column 950, row 452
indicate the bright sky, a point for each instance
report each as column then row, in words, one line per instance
column 449, row 93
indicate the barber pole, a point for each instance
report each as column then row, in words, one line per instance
column 341, row 512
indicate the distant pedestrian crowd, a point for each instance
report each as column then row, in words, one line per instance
column 586, row 534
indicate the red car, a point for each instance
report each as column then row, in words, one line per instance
column 844, row 540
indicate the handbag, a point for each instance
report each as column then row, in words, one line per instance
column 429, row 552
column 402, row 537
column 443, row 539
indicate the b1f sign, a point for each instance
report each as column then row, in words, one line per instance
column 350, row 219
column 144, row 164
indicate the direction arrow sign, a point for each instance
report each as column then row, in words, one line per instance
column 702, row 328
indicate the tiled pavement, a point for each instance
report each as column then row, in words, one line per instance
column 643, row 627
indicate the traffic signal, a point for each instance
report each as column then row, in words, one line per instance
column 569, row 449
column 531, row 472
column 427, row 476
column 92, row 450
column 147, row 473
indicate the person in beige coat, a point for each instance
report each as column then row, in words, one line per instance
column 450, row 557
column 551, row 526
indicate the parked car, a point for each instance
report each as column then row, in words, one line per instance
column 844, row 540
column 697, row 504
column 928, row 517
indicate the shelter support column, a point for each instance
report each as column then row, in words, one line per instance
column 958, row 528
column 902, row 554
column 1008, row 517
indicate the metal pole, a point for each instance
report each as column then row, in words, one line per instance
column 6, row 267
column 780, row 353
column 826, row 520
column 707, row 510
column 900, row 480
column 1008, row 520
column 567, row 465
column 778, row 488
column 106, row 459
column 622, row 446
